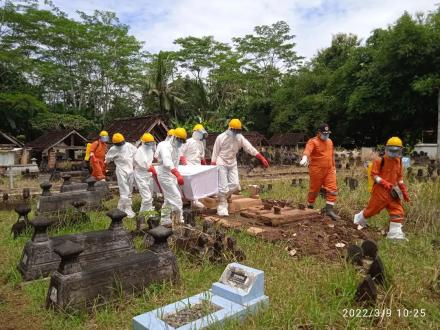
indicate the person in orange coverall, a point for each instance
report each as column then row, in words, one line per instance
column 319, row 155
column 387, row 173
column 98, row 149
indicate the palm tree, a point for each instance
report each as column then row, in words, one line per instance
column 162, row 69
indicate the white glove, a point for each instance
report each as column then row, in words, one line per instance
column 304, row 161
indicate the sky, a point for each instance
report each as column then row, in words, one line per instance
column 159, row 22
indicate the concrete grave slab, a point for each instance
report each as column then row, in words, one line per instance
column 239, row 292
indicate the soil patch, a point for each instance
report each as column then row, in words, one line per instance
column 190, row 314
column 14, row 312
column 317, row 236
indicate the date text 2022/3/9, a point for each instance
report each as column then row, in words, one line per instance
column 387, row 312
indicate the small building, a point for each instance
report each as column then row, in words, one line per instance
column 288, row 140
column 430, row 149
column 11, row 150
column 58, row 149
column 133, row 128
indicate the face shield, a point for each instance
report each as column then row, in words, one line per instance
column 104, row 138
column 233, row 132
column 200, row 135
column 393, row 151
column 177, row 142
column 149, row 146
column 324, row 136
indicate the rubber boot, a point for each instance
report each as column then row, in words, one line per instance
column 395, row 231
column 310, row 206
column 197, row 204
column 360, row 220
column 222, row 208
column 329, row 211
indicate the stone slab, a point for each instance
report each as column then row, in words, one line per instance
column 239, row 204
column 286, row 216
column 210, row 202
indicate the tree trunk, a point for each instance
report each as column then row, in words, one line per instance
column 438, row 125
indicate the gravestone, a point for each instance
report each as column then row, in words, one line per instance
column 75, row 286
column 239, row 292
column 50, row 203
column 39, row 259
column 22, row 221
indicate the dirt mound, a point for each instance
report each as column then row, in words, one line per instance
column 317, row 236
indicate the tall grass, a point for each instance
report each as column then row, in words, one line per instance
column 302, row 292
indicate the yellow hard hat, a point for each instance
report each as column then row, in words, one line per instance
column 103, row 133
column 180, row 133
column 170, row 132
column 235, row 124
column 147, row 137
column 198, row 127
column 394, row 142
column 118, row 138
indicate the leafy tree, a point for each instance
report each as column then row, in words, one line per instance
column 161, row 71
column 50, row 121
column 17, row 110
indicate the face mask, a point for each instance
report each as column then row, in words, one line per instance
column 104, row 138
column 393, row 153
column 232, row 133
column 324, row 136
column 197, row 135
column 149, row 146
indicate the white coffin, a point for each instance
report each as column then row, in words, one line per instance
column 200, row 181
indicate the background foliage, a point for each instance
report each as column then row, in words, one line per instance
column 56, row 72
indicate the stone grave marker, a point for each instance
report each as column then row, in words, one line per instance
column 75, row 286
column 39, row 258
column 239, row 292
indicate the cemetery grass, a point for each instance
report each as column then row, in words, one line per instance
column 303, row 291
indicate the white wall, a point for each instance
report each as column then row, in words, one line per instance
column 429, row 148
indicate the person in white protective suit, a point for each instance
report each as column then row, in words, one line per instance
column 169, row 177
column 193, row 152
column 143, row 160
column 170, row 134
column 122, row 155
column 224, row 154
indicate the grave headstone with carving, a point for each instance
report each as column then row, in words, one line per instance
column 76, row 286
column 39, row 259
column 49, row 202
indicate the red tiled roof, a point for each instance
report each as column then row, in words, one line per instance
column 51, row 138
column 133, row 128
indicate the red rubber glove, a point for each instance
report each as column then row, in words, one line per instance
column 213, row 163
column 183, row 160
column 405, row 194
column 203, row 162
column 384, row 183
column 178, row 176
column 263, row 160
column 152, row 170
